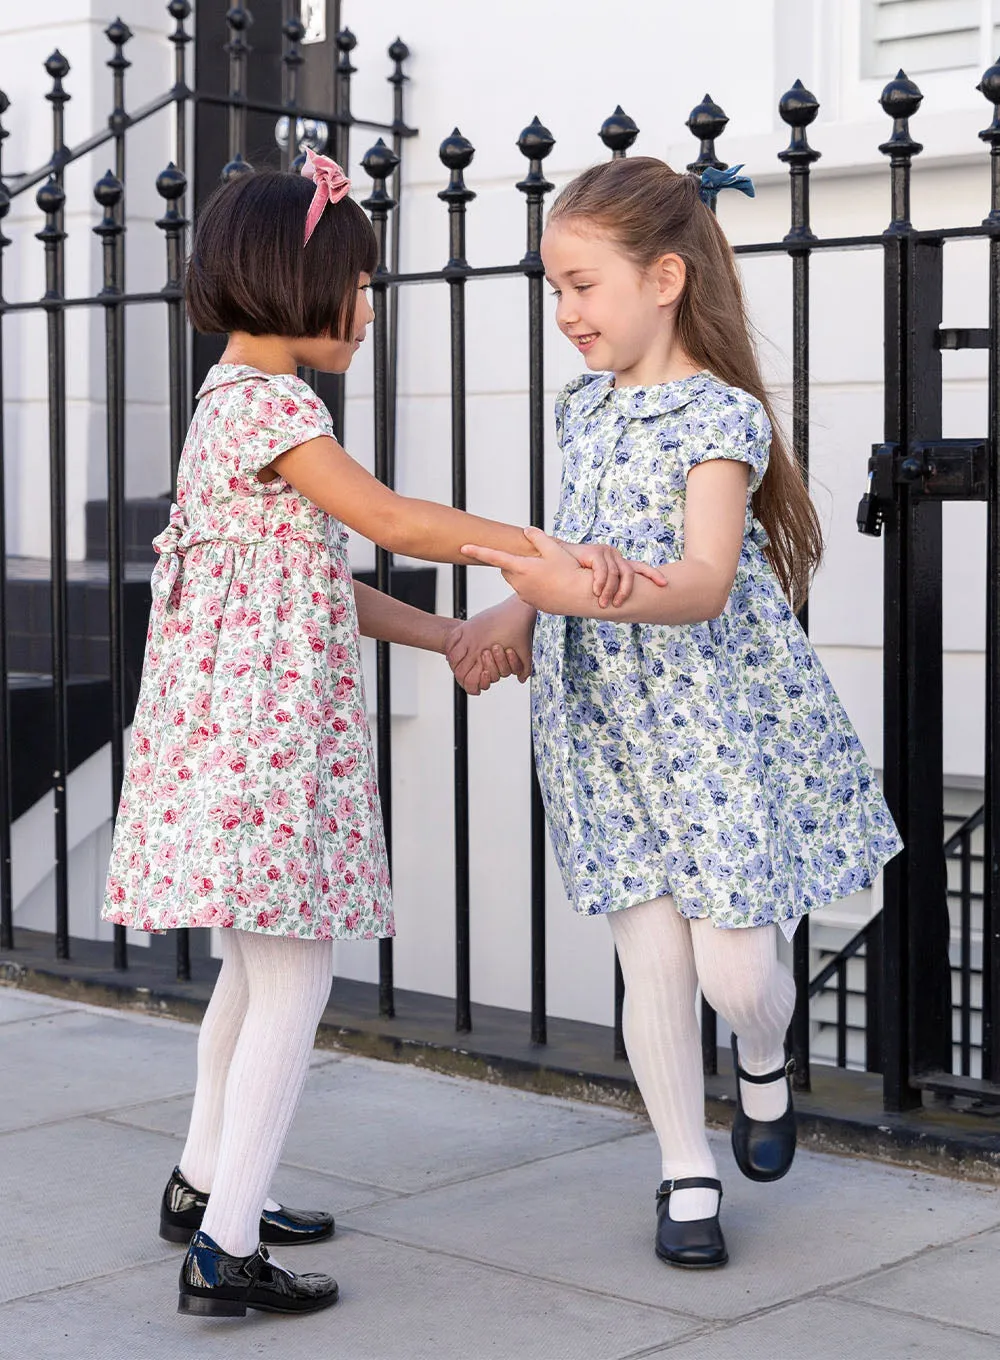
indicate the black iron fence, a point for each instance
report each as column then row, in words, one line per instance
column 912, row 471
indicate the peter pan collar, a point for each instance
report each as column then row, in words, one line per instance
column 224, row 375
column 641, row 403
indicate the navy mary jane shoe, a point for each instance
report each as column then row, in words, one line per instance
column 183, row 1208
column 215, row 1284
column 764, row 1148
column 697, row 1244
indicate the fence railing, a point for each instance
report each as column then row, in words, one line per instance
column 912, row 471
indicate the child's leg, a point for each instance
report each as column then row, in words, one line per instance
column 755, row 994
column 216, row 1041
column 663, row 1042
column 288, row 985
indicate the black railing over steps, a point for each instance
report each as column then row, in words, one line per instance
column 866, row 943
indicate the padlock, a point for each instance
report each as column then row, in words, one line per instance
column 870, row 512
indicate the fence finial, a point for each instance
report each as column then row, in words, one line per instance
column 180, row 12
column 706, row 121
column 990, row 87
column 57, row 67
column 379, row 161
column 398, row 53
column 108, row 192
column 535, row 142
column 4, row 195
column 618, row 132
column 456, row 153
column 118, row 34
column 798, row 108
column 900, row 99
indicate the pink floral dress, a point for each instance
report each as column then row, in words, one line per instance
column 249, row 799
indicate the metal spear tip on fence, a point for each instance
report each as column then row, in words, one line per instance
column 901, row 98
column 379, row 161
column 236, row 167
column 346, row 40
column 57, row 66
column 179, row 10
column 618, row 132
column 118, row 32
column 456, row 152
column 798, row 106
column 108, row 191
column 706, row 121
column 171, row 183
column 988, row 86
column 238, row 17
column 536, row 141
column 50, row 197
column 294, row 30
column 398, row 50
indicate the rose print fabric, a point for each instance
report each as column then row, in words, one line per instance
column 710, row 761
column 249, row 798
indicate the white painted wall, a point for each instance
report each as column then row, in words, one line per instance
column 490, row 70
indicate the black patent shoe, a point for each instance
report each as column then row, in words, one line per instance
column 764, row 1148
column 215, row 1284
column 697, row 1244
column 183, row 1208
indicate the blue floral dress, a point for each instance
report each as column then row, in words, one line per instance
column 710, row 761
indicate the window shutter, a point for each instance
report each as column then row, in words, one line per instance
column 922, row 35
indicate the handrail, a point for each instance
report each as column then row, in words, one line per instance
column 952, row 847
column 67, row 157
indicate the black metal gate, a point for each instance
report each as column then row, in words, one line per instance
column 906, row 948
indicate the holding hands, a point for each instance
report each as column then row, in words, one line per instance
column 564, row 578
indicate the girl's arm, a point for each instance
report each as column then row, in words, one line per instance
column 697, row 587
column 324, row 473
column 389, row 620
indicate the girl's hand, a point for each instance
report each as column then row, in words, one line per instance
column 614, row 575
column 554, row 581
column 492, row 645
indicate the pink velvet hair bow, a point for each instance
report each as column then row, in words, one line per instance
column 331, row 186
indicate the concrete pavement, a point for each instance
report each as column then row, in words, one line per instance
column 473, row 1221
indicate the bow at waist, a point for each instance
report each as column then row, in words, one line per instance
column 179, row 535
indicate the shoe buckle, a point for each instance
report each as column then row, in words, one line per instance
column 789, row 1067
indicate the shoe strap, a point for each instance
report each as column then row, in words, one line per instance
column 687, row 1183
column 767, row 1077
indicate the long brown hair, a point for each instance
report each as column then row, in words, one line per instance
column 649, row 210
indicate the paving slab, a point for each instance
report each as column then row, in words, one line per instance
column 397, row 1303
column 823, row 1329
column 955, row 1284
column 82, row 1198
column 78, row 1061
column 407, row 1129
column 18, row 1006
column 587, row 1218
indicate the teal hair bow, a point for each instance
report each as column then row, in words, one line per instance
column 713, row 180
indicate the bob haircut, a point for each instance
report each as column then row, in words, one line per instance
column 249, row 270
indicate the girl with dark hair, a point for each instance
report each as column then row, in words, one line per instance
column 701, row 779
column 249, row 801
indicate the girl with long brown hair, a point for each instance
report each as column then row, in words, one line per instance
column 702, row 782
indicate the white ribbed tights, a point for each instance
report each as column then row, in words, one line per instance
column 253, row 1055
column 664, row 957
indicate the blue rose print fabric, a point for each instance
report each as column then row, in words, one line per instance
column 710, row 761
